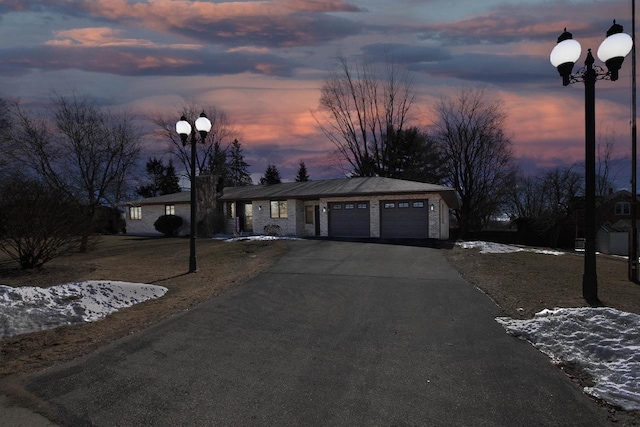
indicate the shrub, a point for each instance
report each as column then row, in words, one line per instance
column 169, row 225
column 37, row 223
column 272, row 230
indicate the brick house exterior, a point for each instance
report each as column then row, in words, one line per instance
column 381, row 207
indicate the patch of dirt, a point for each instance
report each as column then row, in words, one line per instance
column 159, row 261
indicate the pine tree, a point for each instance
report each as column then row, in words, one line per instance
column 163, row 179
column 236, row 166
column 170, row 181
column 218, row 163
column 303, row 175
column 271, row 176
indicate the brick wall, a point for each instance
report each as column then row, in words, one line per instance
column 150, row 213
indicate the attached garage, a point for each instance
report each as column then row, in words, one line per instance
column 404, row 219
column 349, row 219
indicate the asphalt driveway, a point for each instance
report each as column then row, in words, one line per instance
column 337, row 333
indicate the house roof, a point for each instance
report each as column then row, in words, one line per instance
column 181, row 197
column 338, row 188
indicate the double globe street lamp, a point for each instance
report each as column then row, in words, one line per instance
column 184, row 129
column 564, row 55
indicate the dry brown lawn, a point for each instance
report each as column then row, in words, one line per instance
column 523, row 283
column 159, row 261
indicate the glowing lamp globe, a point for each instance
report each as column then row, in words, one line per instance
column 613, row 50
column 203, row 124
column 183, row 127
column 564, row 55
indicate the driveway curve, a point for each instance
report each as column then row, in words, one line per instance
column 336, row 333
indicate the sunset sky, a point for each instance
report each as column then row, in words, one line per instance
column 263, row 63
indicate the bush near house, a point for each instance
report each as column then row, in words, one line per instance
column 169, row 225
column 272, row 230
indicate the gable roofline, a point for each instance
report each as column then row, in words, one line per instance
column 173, row 198
column 342, row 187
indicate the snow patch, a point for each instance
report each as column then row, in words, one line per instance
column 604, row 342
column 29, row 309
column 258, row 238
column 499, row 248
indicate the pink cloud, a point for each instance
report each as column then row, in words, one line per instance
column 288, row 23
column 106, row 37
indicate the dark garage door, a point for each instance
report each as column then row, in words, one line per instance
column 350, row 219
column 404, row 219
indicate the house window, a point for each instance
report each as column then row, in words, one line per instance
column 169, row 209
column 623, row 208
column 135, row 212
column 349, row 206
column 231, row 210
column 403, row 205
column 308, row 214
column 279, row 209
column 389, row 205
column 418, row 204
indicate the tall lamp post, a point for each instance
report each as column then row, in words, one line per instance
column 184, row 128
column 564, row 55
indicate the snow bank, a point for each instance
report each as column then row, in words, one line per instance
column 28, row 309
column 604, row 342
column 499, row 248
column 257, row 238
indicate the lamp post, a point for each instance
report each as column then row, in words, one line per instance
column 564, row 55
column 203, row 125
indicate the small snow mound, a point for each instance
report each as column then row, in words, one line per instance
column 604, row 342
column 258, row 238
column 499, row 248
column 28, row 309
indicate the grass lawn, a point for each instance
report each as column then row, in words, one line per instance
column 158, row 261
column 523, row 283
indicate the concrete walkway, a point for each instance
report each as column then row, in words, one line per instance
column 337, row 333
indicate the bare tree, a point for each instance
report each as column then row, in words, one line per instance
column 37, row 222
column 361, row 110
column 542, row 205
column 218, row 139
column 606, row 169
column 80, row 149
column 477, row 154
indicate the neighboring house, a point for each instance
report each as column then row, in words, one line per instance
column 613, row 236
column 140, row 215
column 353, row 207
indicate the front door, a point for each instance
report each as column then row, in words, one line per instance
column 248, row 217
column 316, row 214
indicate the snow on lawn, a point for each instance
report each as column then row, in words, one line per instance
column 604, row 342
column 257, row 238
column 499, row 248
column 28, row 309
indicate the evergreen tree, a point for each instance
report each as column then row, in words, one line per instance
column 218, row 163
column 170, row 181
column 163, row 179
column 303, row 175
column 271, row 175
column 236, row 166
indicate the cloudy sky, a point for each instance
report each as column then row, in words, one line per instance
column 263, row 63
